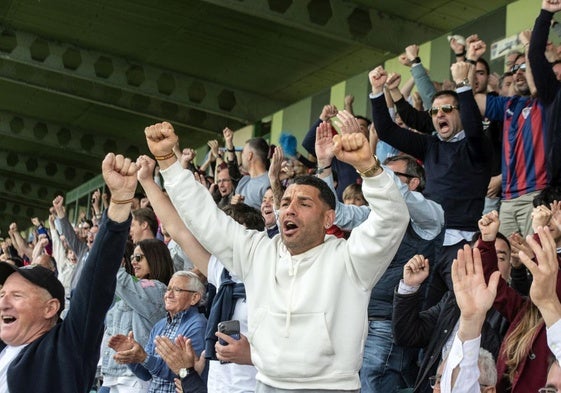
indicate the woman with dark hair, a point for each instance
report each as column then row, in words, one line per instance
column 139, row 305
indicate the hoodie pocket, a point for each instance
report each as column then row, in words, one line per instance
column 300, row 348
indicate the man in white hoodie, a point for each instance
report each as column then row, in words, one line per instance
column 307, row 293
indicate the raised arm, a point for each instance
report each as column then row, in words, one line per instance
column 327, row 113
column 274, row 176
column 74, row 242
column 474, row 297
column 19, row 243
column 420, row 76
column 373, row 239
column 388, row 131
column 95, row 290
column 507, row 301
column 169, row 217
column 216, row 231
column 544, row 79
column 543, row 291
column 421, row 121
column 411, row 326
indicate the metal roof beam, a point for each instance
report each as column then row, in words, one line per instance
column 42, row 171
column 103, row 78
column 337, row 20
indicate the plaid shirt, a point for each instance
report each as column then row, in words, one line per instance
column 189, row 323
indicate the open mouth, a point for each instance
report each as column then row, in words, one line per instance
column 6, row 319
column 443, row 124
column 289, row 227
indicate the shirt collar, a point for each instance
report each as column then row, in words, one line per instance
column 178, row 316
column 458, row 137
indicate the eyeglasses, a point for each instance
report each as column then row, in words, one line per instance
column 137, row 257
column 179, row 290
column 404, row 174
column 516, row 67
column 444, row 108
column 547, row 390
column 223, row 181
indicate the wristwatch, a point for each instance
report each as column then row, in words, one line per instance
column 463, row 83
column 372, row 170
column 183, row 372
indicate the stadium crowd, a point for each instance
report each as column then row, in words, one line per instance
column 415, row 251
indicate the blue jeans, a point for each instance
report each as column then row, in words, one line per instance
column 386, row 367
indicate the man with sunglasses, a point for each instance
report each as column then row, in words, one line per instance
column 524, row 145
column 457, row 163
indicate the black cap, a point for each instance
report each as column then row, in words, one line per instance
column 38, row 275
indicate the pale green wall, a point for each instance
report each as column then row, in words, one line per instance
column 521, row 15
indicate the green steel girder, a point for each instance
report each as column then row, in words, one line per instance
column 337, row 20
column 59, row 140
column 112, row 81
column 42, row 171
column 27, row 192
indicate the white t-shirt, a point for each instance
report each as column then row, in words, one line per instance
column 229, row 377
column 8, row 354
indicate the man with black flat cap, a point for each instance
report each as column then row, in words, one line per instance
column 40, row 355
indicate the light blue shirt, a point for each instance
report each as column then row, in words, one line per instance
column 427, row 216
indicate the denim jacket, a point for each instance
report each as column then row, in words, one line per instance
column 139, row 305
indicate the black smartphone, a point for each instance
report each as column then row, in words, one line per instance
column 231, row 328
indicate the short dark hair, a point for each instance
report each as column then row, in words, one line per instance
column 246, row 215
column 547, row 196
column 129, row 250
column 366, row 119
column 146, row 215
column 158, row 258
column 519, row 56
column 503, row 237
column 485, row 64
column 413, row 168
column 261, row 148
column 325, row 193
column 450, row 93
column 502, row 78
column 88, row 221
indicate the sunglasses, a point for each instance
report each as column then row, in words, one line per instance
column 444, row 108
column 404, row 174
column 137, row 257
column 516, row 67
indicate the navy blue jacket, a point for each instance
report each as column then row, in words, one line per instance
column 457, row 173
column 381, row 298
column 64, row 360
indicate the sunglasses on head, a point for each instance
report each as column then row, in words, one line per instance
column 137, row 257
column 444, row 108
column 516, row 67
